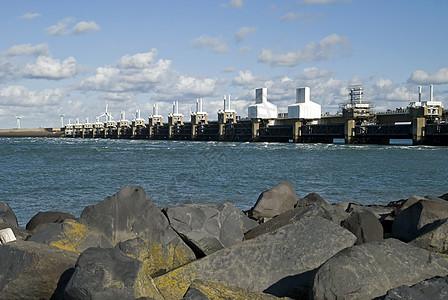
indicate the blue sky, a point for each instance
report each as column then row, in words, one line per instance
column 74, row 57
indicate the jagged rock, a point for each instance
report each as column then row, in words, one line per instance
column 20, row 234
column 207, row 290
column 31, row 271
column 380, row 212
column 107, row 273
column 312, row 199
column 433, row 237
column 208, row 227
column 364, row 225
column 411, row 220
column 47, row 217
column 401, row 205
column 274, row 201
column 275, row 263
column 70, row 235
column 129, row 214
column 431, row 289
column 7, row 215
column 248, row 223
column 444, row 197
column 370, row 270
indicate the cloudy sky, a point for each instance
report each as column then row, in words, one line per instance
column 74, row 57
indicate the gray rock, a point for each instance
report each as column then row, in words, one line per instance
column 107, row 273
column 364, row 225
column 21, row 234
column 411, row 220
column 274, row 263
column 129, row 214
column 370, row 270
column 47, row 217
column 70, row 235
column 248, row 223
column 274, row 201
column 209, row 227
column 32, row 271
column 312, row 199
column 433, row 237
column 404, row 204
column 431, row 289
column 7, row 215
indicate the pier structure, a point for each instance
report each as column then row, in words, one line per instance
column 422, row 122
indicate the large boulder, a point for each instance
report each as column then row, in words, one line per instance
column 433, row 237
column 107, row 273
column 208, row 227
column 32, row 271
column 274, row 201
column 370, row 270
column 312, row 199
column 411, row 220
column 7, row 215
column 275, row 263
column 129, row 214
column 431, row 289
column 364, row 225
column 46, row 217
column 70, row 235
column 207, row 290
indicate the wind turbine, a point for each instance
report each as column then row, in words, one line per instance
column 18, row 120
column 62, row 119
column 107, row 114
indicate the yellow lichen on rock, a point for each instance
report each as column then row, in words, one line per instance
column 74, row 233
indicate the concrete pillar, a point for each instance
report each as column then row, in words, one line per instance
column 194, row 129
column 255, row 128
column 297, row 131
column 418, row 130
column 349, row 131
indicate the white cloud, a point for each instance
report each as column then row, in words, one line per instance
column 228, row 70
column 49, row 68
column 309, row 2
column 325, row 49
column 28, row 49
column 236, row 3
column 244, row 50
column 126, row 96
column 250, row 81
column 422, row 77
column 61, row 27
column 216, row 43
column 85, row 27
column 138, row 61
column 314, row 73
column 243, row 32
column 8, row 70
column 30, row 16
column 20, row 96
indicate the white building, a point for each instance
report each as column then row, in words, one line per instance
column 304, row 108
column 262, row 109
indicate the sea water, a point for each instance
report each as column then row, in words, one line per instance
column 63, row 174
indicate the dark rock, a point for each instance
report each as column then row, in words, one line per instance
column 70, row 235
column 411, row 220
column 209, row 227
column 207, row 290
column 370, row 270
column 433, row 237
column 364, row 225
column 30, row 270
column 20, row 234
column 129, row 214
column 47, row 217
column 274, row 201
column 404, row 204
column 271, row 262
column 434, row 198
column 444, row 197
column 7, row 215
column 312, row 199
column 107, row 273
column 431, row 289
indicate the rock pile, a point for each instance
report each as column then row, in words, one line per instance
column 286, row 247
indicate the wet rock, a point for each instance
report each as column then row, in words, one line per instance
column 32, row 271
column 412, row 219
column 7, row 215
column 70, row 235
column 431, row 289
column 272, row 262
column 312, row 199
column 364, row 225
column 207, row 290
column 208, row 227
column 274, row 201
column 433, row 237
column 47, row 217
column 370, row 270
column 107, row 273
column 129, row 214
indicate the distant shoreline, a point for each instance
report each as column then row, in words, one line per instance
column 33, row 132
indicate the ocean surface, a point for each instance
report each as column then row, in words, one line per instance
column 43, row 174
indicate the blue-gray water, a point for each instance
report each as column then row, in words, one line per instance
column 39, row 174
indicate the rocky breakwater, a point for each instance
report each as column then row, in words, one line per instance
column 284, row 247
